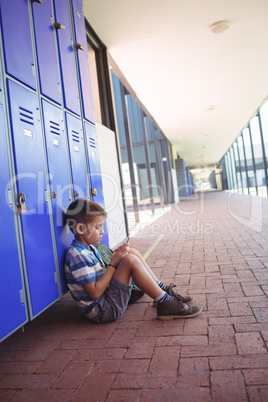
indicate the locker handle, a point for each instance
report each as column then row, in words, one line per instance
column 76, row 194
column 21, row 200
column 38, row 1
column 58, row 25
column 79, row 47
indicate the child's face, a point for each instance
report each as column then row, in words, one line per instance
column 92, row 232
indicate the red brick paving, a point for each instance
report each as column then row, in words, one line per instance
column 220, row 355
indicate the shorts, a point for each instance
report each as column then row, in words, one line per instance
column 114, row 302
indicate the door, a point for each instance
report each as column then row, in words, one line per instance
column 13, row 311
column 77, row 156
column 46, row 50
column 82, row 56
column 40, row 266
column 67, row 57
column 59, row 179
column 95, row 171
column 17, row 41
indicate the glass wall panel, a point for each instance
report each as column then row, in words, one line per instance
column 238, row 168
column 229, row 172
column 264, row 124
column 258, row 154
column 249, row 158
column 243, row 164
column 232, row 161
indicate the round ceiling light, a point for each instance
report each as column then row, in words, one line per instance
column 220, row 26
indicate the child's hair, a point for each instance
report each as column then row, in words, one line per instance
column 82, row 211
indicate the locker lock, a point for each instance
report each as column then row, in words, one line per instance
column 58, row 25
column 94, row 191
column 21, row 203
column 76, row 194
column 79, row 47
column 38, row 1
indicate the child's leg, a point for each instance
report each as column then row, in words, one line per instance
column 144, row 263
column 131, row 266
column 169, row 289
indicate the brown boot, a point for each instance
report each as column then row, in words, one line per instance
column 173, row 308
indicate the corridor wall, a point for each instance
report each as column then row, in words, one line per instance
column 48, row 149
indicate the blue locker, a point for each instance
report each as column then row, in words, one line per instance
column 46, row 50
column 13, row 312
column 67, row 57
column 84, row 73
column 31, row 186
column 77, row 156
column 58, row 179
column 17, row 40
column 95, row 171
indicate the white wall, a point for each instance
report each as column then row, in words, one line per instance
column 111, row 185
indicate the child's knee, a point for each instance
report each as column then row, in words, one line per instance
column 130, row 259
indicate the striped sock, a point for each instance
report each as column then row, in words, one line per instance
column 161, row 285
column 161, row 298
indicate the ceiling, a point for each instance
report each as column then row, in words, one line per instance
column 201, row 88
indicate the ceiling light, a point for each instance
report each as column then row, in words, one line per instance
column 220, row 26
column 210, row 108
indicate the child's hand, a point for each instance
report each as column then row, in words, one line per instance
column 119, row 253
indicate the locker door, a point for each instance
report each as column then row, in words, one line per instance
column 67, row 57
column 13, row 313
column 94, row 163
column 78, row 156
column 36, row 231
column 46, row 50
column 84, row 73
column 58, row 178
column 17, row 40
column 95, row 171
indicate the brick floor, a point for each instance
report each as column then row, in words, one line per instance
column 215, row 248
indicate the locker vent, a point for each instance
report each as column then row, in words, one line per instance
column 26, row 116
column 54, row 128
column 75, row 136
column 92, row 142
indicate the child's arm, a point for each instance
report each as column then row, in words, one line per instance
column 97, row 288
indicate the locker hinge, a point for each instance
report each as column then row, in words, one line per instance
column 79, row 47
column 56, row 277
column 10, row 197
column 70, row 194
column 22, row 296
column 46, row 196
column 58, row 25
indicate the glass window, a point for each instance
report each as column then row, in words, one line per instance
column 264, row 124
column 243, row 164
column 249, row 159
column 232, row 160
column 237, row 167
column 258, row 154
column 229, row 172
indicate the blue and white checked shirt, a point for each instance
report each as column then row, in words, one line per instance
column 82, row 266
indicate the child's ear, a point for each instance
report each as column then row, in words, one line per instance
column 80, row 228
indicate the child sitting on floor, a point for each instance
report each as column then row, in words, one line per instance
column 103, row 292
